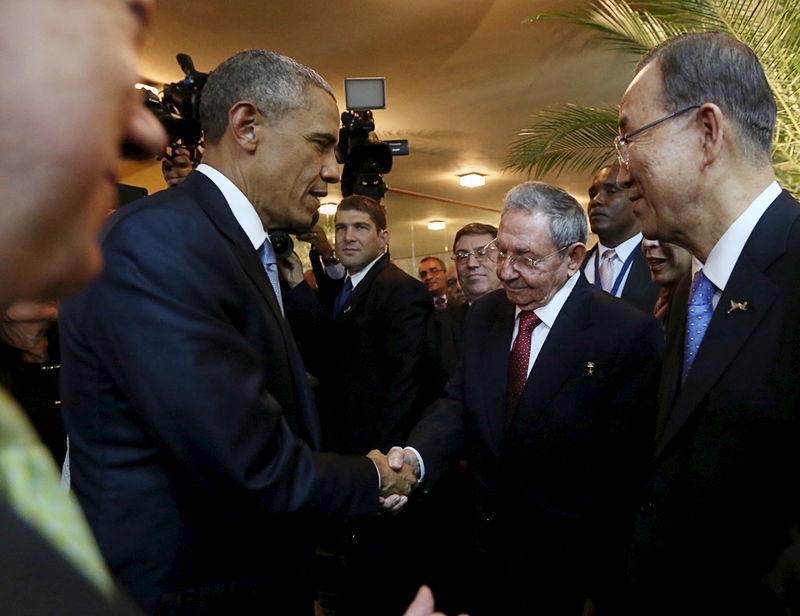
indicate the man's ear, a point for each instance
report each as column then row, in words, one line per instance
column 712, row 124
column 384, row 236
column 575, row 254
column 244, row 121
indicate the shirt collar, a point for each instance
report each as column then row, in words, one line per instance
column 241, row 208
column 359, row 275
column 548, row 313
column 723, row 257
column 625, row 248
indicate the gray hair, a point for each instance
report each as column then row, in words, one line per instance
column 712, row 67
column 567, row 218
column 274, row 83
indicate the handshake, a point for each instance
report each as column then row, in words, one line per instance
column 399, row 471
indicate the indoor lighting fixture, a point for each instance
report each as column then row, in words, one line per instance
column 327, row 208
column 436, row 225
column 472, row 180
column 145, row 86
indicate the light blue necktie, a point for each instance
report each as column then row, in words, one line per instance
column 698, row 317
column 266, row 255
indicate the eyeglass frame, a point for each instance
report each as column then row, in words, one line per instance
column 471, row 253
column 430, row 272
column 533, row 264
column 623, row 141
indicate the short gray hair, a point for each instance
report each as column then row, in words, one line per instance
column 274, row 83
column 567, row 218
column 712, row 67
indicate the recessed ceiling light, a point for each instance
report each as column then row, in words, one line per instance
column 327, row 208
column 436, row 225
column 472, row 180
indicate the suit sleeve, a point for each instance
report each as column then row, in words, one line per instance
column 163, row 319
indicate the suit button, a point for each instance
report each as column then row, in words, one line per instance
column 647, row 507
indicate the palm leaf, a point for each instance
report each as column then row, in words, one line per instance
column 568, row 137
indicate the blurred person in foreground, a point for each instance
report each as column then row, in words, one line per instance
column 58, row 172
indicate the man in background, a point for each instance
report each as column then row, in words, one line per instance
column 668, row 263
column 616, row 264
column 432, row 274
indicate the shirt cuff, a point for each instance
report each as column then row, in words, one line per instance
column 421, row 463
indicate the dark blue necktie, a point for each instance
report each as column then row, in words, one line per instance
column 344, row 295
column 698, row 317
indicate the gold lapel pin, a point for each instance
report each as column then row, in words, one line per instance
column 743, row 306
column 590, row 368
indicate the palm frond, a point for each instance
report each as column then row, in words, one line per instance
column 565, row 137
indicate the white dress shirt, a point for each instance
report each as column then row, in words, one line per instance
column 623, row 251
column 723, row 257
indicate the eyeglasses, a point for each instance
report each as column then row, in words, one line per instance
column 622, row 143
column 520, row 262
column 429, row 272
column 463, row 255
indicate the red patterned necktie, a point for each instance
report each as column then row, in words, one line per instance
column 518, row 361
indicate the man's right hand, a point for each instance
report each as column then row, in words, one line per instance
column 393, row 481
column 398, row 456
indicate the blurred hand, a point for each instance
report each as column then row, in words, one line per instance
column 400, row 481
column 291, row 270
column 176, row 168
column 423, row 604
column 318, row 240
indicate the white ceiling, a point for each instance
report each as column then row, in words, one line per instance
column 462, row 77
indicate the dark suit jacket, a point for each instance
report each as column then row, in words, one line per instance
column 721, row 489
column 639, row 289
column 37, row 580
column 372, row 387
column 549, row 487
column 191, row 421
column 445, row 340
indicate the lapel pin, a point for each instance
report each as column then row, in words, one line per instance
column 743, row 306
column 590, row 368
column 346, row 310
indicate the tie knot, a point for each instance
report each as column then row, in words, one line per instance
column 702, row 290
column 609, row 254
column 528, row 320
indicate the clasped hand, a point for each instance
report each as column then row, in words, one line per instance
column 399, row 471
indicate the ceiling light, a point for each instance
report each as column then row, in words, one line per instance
column 327, row 208
column 145, row 86
column 472, row 180
column 436, row 225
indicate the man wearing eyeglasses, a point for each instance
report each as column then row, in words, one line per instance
column 713, row 517
column 616, row 264
column 551, row 407
column 432, row 275
column 477, row 276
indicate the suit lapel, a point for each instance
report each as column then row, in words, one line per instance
column 492, row 370
column 361, row 289
column 729, row 330
column 553, row 366
column 211, row 201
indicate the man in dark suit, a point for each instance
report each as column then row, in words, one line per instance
column 477, row 277
column 373, row 392
column 192, row 424
column 616, row 263
column 714, row 515
column 552, row 407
